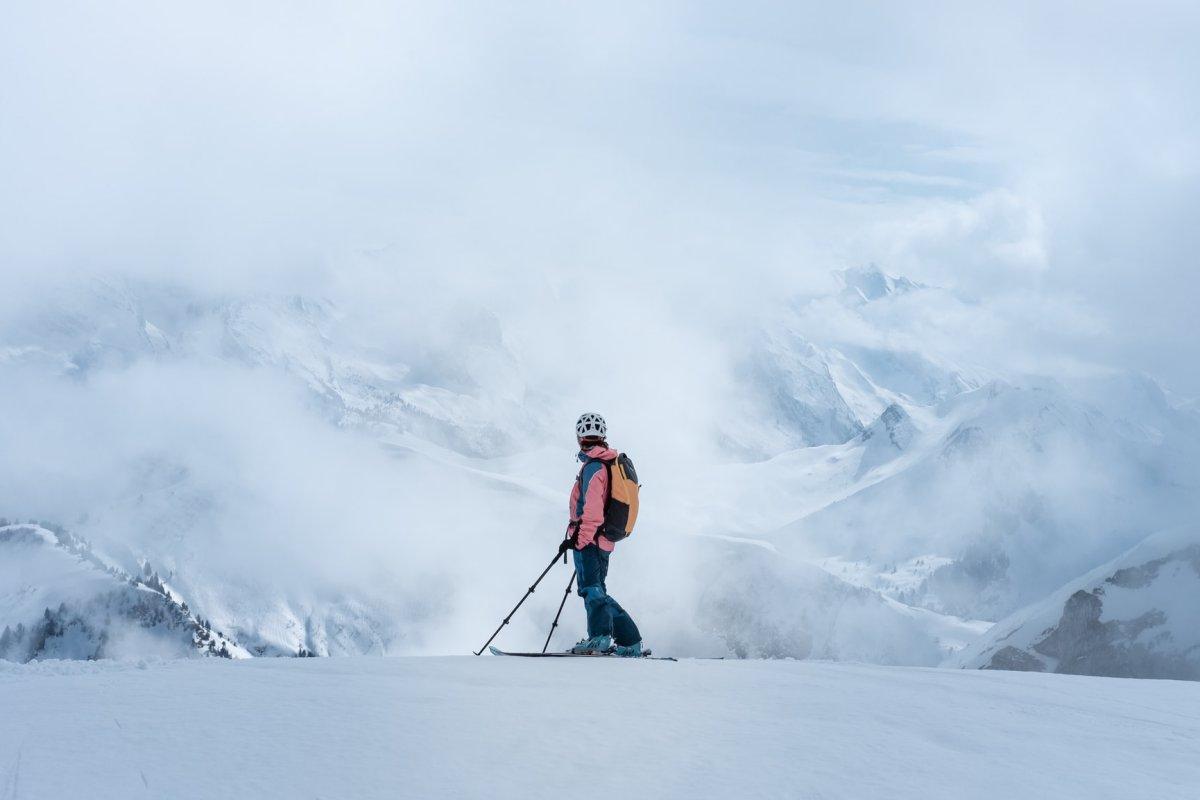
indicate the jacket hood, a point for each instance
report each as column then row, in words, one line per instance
column 606, row 453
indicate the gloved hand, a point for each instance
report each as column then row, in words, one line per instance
column 568, row 544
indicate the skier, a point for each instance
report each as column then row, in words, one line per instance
column 606, row 620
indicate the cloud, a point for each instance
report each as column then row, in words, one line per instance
column 679, row 146
column 670, row 170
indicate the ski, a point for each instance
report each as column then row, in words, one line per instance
column 496, row 651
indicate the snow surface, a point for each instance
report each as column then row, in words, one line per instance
column 508, row 727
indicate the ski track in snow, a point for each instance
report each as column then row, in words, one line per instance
column 500, row 728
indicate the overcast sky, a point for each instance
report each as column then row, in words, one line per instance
column 709, row 155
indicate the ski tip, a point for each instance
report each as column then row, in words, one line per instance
column 496, row 651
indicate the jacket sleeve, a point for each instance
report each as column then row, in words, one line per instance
column 587, row 502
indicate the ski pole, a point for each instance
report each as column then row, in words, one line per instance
column 553, row 561
column 566, row 594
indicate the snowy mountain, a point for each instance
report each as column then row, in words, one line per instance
column 59, row 600
column 309, row 483
column 823, row 368
column 764, row 607
column 868, row 283
column 460, row 390
column 1136, row 616
column 796, row 402
column 1020, row 488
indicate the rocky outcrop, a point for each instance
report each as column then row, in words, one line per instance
column 1136, row 617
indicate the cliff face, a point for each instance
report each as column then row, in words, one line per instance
column 1136, row 617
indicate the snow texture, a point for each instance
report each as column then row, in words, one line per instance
column 509, row 728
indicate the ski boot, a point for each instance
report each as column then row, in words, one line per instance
column 630, row 650
column 597, row 645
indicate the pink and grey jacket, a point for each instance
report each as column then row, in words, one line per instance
column 587, row 498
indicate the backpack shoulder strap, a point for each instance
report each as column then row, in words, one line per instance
column 607, row 485
column 608, row 465
column 579, row 480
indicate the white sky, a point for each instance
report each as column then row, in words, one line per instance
column 707, row 155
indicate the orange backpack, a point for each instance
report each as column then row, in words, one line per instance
column 621, row 502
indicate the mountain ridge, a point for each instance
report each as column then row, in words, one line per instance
column 956, row 491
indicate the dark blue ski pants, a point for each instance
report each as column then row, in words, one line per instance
column 605, row 617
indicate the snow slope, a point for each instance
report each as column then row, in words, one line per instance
column 819, row 369
column 1138, row 615
column 58, row 599
column 1021, row 488
column 504, row 727
column 459, row 388
column 762, row 606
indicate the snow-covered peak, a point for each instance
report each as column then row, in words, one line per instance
column 886, row 438
column 894, row 426
column 868, row 283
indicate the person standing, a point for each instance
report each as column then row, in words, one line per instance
column 610, row 629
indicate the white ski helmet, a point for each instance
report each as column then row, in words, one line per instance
column 591, row 425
